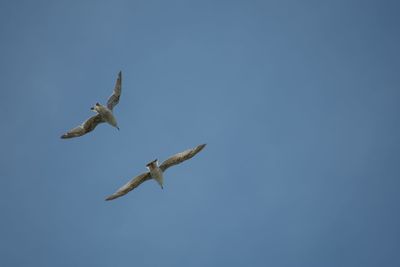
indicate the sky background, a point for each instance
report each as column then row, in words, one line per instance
column 298, row 102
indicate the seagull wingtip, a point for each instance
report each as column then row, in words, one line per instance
column 202, row 146
column 109, row 198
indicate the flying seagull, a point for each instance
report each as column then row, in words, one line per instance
column 104, row 114
column 156, row 172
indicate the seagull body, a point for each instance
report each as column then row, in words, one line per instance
column 104, row 114
column 156, row 172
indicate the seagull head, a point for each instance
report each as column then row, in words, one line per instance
column 152, row 164
column 94, row 108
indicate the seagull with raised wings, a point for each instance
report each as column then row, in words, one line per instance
column 104, row 114
column 156, row 172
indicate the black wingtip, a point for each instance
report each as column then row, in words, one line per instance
column 111, row 198
column 200, row 147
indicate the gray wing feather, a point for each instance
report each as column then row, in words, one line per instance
column 114, row 98
column 85, row 128
column 180, row 157
column 132, row 184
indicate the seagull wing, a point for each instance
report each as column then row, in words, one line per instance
column 86, row 127
column 132, row 184
column 181, row 157
column 114, row 98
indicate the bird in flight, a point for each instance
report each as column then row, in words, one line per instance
column 104, row 114
column 156, row 172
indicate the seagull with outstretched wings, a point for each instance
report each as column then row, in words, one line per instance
column 156, row 172
column 104, row 114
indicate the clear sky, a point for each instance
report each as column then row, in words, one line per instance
column 298, row 102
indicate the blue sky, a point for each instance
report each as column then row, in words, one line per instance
column 298, row 102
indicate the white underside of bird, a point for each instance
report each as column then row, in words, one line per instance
column 106, row 114
column 155, row 172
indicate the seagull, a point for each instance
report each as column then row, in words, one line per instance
column 104, row 114
column 156, row 172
